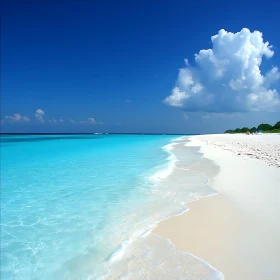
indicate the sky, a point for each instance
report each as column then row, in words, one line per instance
column 144, row 66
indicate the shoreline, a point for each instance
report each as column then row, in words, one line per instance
column 243, row 237
column 178, row 172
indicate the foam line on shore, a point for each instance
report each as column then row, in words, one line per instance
column 158, row 177
column 219, row 273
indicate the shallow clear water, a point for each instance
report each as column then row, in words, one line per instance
column 73, row 206
column 66, row 200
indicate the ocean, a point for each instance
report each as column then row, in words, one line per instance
column 71, row 205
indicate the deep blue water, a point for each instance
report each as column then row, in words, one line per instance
column 68, row 202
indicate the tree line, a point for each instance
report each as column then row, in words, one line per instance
column 264, row 127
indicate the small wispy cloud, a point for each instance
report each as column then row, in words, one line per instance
column 24, row 118
column 39, row 115
column 186, row 117
column 17, row 118
column 54, row 121
column 91, row 121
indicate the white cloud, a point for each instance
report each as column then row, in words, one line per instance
column 39, row 115
column 24, row 118
column 177, row 98
column 40, row 111
column 91, row 120
column 53, row 121
column 272, row 76
column 227, row 78
column 186, row 117
column 17, row 117
column 61, row 120
column 88, row 121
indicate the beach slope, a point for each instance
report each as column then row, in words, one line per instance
column 237, row 231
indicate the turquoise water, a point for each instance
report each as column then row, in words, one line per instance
column 69, row 203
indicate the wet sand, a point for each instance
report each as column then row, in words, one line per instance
column 237, row 231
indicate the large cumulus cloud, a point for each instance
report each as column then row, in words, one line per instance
column 227, row 78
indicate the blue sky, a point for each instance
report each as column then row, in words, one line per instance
column 112, row 66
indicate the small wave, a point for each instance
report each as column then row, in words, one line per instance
column 217, row 275
column 119, row 252
column 184, row 137
column 154, row 257
column 164, row 172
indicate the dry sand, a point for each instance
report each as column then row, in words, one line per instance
column 236, row 231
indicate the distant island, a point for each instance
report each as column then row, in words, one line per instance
column 264, row 127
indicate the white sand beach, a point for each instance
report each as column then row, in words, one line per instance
column 237, row 231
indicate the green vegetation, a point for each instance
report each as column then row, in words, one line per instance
column 272, row 131
column 277, row 125
column 266, row 128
